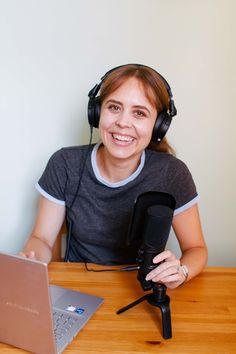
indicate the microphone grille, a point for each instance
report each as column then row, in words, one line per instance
column 157, row 226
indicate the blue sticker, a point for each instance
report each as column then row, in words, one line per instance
column 77, row 310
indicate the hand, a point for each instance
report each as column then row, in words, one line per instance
column 168, row 272
column 29, row 254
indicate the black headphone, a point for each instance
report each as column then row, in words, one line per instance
column 163, row 119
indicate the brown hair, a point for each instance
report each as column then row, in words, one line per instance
column 155, row 90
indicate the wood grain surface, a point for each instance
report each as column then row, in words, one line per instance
column 203, row 314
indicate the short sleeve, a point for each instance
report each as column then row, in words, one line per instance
column 182, row 186
column 53, row 180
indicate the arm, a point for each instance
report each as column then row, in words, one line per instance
column 187, row 227
column 48, row 223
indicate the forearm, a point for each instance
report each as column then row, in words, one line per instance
column 42, row 250
column 48, row 223
column 188, row 230
column 195, row 259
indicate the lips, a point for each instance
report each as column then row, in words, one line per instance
column 123, row 138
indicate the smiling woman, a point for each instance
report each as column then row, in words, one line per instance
column 94, row 187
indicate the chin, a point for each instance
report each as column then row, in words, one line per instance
column 123, row 152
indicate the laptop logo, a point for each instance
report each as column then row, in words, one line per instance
column 75, row 309
column 22, row 308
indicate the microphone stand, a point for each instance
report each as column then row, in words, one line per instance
column 157, row 297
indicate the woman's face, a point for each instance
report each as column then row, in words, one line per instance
column 126, row 121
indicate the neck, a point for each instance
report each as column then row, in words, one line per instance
column 113, row 169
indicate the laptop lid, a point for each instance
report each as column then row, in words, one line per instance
column 26, row 319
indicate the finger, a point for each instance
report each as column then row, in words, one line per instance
column 164, row 256
column 173, row 278
column 169, row 274
column 22, row 254
column 163, row 270
column 31, row 254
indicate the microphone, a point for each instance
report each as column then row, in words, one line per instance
column 156, row 229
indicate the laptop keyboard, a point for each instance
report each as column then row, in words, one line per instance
column 62, row 323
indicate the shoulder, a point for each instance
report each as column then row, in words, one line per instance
column 69, row 154
column 71, row 151
column 67, row 160
column 172, row 171
column 171, row 175
column 63, row 170
column 165, row 161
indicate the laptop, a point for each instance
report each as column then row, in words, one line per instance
column 34, row 315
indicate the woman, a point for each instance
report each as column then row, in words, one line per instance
column 95, row 186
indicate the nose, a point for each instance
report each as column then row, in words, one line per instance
column 124, row 120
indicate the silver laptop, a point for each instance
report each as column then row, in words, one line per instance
column 37, row 317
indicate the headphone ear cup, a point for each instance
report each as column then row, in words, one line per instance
column 161, row 126
column 94, row 111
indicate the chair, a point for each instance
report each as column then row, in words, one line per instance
column 58, row 250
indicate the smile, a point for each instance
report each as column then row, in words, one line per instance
column 126, row 138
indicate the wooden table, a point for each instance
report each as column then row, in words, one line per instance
column 203, row 313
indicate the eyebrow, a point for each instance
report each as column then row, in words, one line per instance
column 120, row 103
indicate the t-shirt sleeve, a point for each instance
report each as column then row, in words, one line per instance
column 53, row 180
column 182, row 186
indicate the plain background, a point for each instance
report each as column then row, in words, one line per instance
column 52, row 52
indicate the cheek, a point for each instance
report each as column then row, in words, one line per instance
column 145, row 130
column 104, row 126
column 105, row 119
column 103, row 122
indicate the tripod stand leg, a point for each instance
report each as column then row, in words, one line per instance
column 136, row 302
column 166, row 320
column 163, row 306
column 165, row 312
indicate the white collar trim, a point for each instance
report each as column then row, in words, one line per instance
column 114, row 184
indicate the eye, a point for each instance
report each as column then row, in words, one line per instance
column 114, row 108
column 140, row 114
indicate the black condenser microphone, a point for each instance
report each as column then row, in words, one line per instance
column 156, row 229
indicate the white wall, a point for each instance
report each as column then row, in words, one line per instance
column 54, row 51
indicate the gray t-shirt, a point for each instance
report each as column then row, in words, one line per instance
column 102, row 210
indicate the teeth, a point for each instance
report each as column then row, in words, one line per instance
column 122, row 138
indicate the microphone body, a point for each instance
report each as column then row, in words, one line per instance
column 156, row 229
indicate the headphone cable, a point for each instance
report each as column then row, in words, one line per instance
column 70, row 222
column 123, row 269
